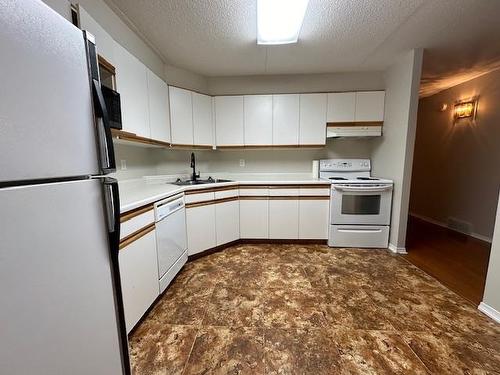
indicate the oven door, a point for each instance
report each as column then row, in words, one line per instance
column 361, row 204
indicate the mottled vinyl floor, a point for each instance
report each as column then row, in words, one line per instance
column 293, row 309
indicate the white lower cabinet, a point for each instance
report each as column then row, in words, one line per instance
column 254, row 218
column 200, row 222
column 313, row 218
column 139, row 277
column 284, row 218
column 227, row 219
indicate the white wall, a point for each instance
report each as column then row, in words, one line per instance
column 139, row 161
column 492, row 288
column 269, row 84
column 122, row 33
column 455, row 169
column 392, row 154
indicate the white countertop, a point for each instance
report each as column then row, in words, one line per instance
column 140, row 192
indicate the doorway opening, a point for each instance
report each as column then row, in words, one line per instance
column 455, row 182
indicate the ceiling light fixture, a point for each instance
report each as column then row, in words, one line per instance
column 279, row 21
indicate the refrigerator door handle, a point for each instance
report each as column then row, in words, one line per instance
column 113, row 213
column 105, row 140
column 112, row 200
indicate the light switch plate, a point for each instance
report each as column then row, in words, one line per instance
column 242, row 162
column 123, row 165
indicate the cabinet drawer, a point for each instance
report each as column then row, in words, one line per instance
column 283, row 192
column 321, row 192
column 131, row 223
column 254, row 191
column 199, row 197
column 226, row 193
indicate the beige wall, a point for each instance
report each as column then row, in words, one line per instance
column 492, row 289
column 392, row 154
column 456, row 167
column 269, row 84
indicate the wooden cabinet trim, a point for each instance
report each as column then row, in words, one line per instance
column 106, row 64
column 136, row 235
column 250, row 186
column 127, row 136
column 198, row 147
column 254, row 197
column 314, row 197
column 210, row 202
column 135, row 212
column 349, row 124
column 211, row 190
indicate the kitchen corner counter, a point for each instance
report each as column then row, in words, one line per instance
column 140, row 192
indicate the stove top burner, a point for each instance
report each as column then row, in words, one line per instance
column 367, row 178
column 337, row 178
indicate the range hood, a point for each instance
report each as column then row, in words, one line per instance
column 343, row 130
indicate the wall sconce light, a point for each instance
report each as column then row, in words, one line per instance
column 465, row 109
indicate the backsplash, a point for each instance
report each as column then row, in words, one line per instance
column 147, row 162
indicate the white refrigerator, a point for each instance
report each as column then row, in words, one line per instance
column 61, row 308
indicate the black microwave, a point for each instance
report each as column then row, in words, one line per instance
column 112, row 99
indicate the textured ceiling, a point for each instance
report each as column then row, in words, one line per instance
column 218, row 37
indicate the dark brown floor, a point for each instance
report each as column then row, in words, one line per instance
column 290, row 309
column 457, row 260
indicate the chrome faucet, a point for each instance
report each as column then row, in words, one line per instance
column 194, row 176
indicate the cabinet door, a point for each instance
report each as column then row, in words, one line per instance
column 103, row 41
column 370, row 106
column 284, row 219
column 341, row 107
column 181, row 116
column 139, row 277
column 132, row 84
column 159, row 119
column 254, row 218
column 312, row 129
column 258, row 119
column 286, row 119
column 313, row 219
column 200, row 222
column 202, row 119
column 227, row 219
column 229, row 120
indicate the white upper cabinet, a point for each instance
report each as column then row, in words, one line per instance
column 258, row 119
column 370, row 106
column 132, row 84
column 104, row 42
column 312, row 127
column 229, row 120
column 341, row 107
column 202, row 119
column 181, row 116
column 286, row 119
column 159, row 119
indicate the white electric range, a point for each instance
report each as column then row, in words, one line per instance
column 360, row 205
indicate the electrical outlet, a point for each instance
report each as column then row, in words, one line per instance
column 242, row 162
column 123, row 165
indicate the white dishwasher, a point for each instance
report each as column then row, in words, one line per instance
column 171, row 241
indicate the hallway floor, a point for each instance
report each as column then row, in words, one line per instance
column 458, row 261
column 293, row 309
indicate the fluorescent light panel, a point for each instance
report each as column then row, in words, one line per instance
column 279, row 21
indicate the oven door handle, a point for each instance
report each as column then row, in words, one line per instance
column 363, row 189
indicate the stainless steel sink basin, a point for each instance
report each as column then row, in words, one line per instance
column 209, row 180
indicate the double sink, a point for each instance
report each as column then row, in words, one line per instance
column 209, row 180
